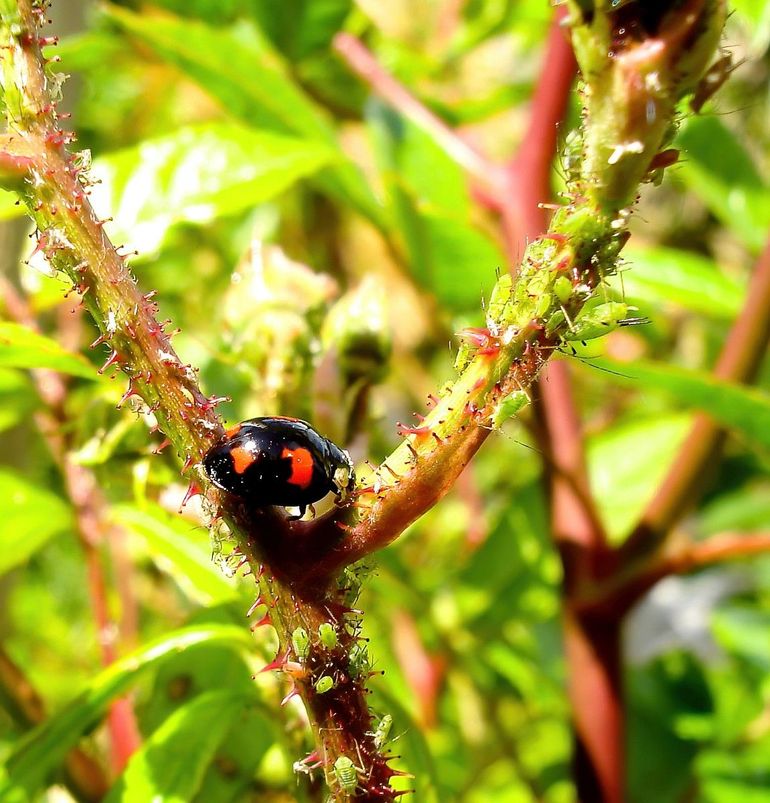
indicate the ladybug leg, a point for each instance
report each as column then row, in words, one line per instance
column 312, row 510
column 302, row 509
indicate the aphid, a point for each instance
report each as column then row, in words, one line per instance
column 382, row 731
column 600, row 320
column 327, row 635
column 324, row 684
column 300, row 640
column 562, row 287
column 346, row 774
column 359, row 663
column 509, row 407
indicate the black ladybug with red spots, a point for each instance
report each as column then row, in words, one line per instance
column 278, row 461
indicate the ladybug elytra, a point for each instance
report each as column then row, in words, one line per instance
column 278, row 461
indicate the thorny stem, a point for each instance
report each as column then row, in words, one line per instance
column 37, row 165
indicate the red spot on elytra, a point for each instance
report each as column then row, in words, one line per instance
column 242, row 459
column 301, row 462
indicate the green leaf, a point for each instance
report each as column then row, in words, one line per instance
column 756, row 17
column 196, row 174
column 242, row 75
column 43, row 748
column 627, row 463
column 21, row 347
column 179, row 549
column 719, row 169
column 31, row 515
column 741, row 408
column 685, row 278
column 172, row 762
column 251, row 84
column 9, row 208
column 300, row 28
column 461, row 262
column 17, row 397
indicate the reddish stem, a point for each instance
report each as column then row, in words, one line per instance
column 363, row 62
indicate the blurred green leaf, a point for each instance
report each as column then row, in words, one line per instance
column 743, row 409
column 9, row 206
column 171, row 764
column 742, row 631
column 734, row 776
column 756, row 16
column 461, row 262
column 21, row 347
column 183, row 553
column 250, row 83
column 626, row 464
column 659, row 694
column 243, row 75
column 31, row 515
column 300, row 28
column 718, row 168
column 745, row 510
column 196, row 174
column 17, row 397
column 685, row 278
column 29, row 763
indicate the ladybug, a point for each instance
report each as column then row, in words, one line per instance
column 279, row 461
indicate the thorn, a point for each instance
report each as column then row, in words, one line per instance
column 111, row 360
column 265, row 620
column 188, row 464
column 476, row 335
column 132, row 391
column 276, row 663
column 391, row 472
column 257, row 602
column 192, row 490
column 293, row 692
column 402, row 429
column 99, row 340
column 163, row 444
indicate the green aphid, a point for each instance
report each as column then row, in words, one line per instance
column 324, row 684
column 300, row 640
column 359, row 663
column 327, row 635
column 500, row 298
column 543, row 304
column 557, row 321
column 509, row 407
column 464, row 357
column 346, row 774
column 600, row 320
column 382, row 731
column 562, row 287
